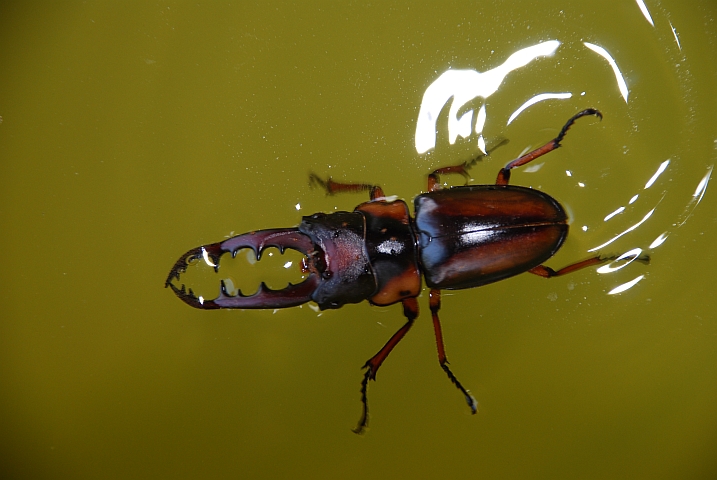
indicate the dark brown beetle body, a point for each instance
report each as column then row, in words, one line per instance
column 461, row 237
column 475, row 235
column 371, row 255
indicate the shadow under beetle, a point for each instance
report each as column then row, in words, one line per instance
column 460, row 237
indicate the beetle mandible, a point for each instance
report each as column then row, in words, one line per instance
column 460, row 237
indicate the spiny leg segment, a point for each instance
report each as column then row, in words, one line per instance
column 410, row 310
column 332, row 187
column 435, row 304
column 461, row 169
column 504, row 174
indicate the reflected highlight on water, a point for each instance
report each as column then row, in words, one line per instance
column 621, row 84
column 538, row 98
column 463, row 86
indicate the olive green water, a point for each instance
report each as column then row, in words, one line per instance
column 132, row 133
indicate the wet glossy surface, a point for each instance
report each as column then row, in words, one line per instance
column 475, row 235
column 131, row 134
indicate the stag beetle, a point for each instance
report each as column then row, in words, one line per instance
column 461, row 237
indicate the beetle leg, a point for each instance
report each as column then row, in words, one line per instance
column 504, row 174
column 462, row 169
column 435, row 304
column 333, row 188
column 547, row 272
column 410, row 310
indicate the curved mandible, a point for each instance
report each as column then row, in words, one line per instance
column 280, row 238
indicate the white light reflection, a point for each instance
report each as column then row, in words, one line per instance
column 659, row 240
column 250, row 257
column 463, row 86
column 288, row 264
column 481, row 144
column 621, row 85
column 625, row 286
column 536, row 99
column 207, row 260
column 390, row 247
column 659, row 171
column 689, row 209
column 702, row 186
column 677, row 39
column 632, row 255
column 645, row 11
column 480, row 120
column 475, row 233
column 229, row 285
column 644, row 219
column 532, row 168
column 480, row 123
column 475, row 238
column 616, row 212
column 696, row 198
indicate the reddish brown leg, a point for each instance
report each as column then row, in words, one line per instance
column 504, row 174
column 462, row 169
column 547, row 272
column 435, row 303
column 410, row 310
column 333, row 188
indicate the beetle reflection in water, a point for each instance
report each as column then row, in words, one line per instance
column 460, row 237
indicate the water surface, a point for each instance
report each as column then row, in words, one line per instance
column 131, row 133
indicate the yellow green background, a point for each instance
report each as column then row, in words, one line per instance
column 133, row 131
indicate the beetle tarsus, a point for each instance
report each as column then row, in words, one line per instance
column 569, row 123
column 644, row 259
column 332, row 187
column 410, row 310
column 504, row 174
column 470, row 399
column 462, row 169
column 497, row 143
column 435, row 305
column 363, row 421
